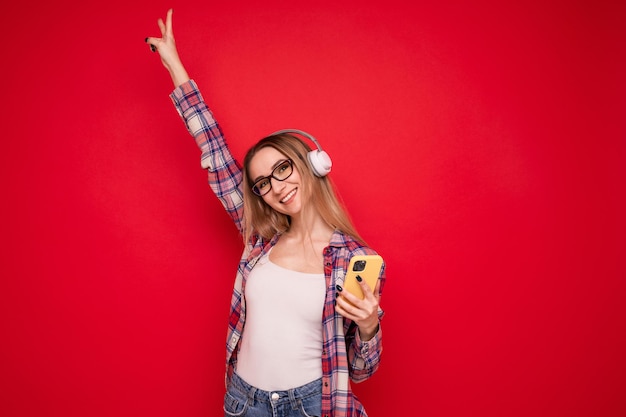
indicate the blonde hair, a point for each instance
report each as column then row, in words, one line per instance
column 259, row 218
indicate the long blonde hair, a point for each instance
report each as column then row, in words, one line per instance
column 259, row 218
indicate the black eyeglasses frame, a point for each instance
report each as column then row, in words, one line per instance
column 256, row 190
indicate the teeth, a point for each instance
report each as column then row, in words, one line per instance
column 288, row 196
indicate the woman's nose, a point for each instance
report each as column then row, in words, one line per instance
column 277, row 186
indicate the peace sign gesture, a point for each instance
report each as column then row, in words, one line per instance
column 166, row 47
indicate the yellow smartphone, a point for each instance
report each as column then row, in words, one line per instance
column 368, row 268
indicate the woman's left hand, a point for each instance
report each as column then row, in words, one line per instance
column 363, row 312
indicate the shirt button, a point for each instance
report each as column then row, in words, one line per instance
column 275, row 396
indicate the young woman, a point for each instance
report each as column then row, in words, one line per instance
column 304, row 337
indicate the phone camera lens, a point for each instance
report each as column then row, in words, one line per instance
column 359, row 266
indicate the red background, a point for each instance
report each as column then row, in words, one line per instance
column 480, row 149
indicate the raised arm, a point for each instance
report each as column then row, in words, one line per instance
column 224, row 172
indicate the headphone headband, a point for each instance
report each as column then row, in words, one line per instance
column 301, row 133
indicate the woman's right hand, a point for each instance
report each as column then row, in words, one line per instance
column 166, row 47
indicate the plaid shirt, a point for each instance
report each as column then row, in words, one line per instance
column 344, row 355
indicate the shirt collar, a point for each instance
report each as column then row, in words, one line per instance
column 339, row 239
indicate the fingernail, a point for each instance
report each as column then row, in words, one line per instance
column 153, row 48
column 335, row 302
column 336, row 294
column 358, row 278
column 339, row 287
column 146, row 40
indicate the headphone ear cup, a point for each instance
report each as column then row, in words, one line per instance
column 320, row 162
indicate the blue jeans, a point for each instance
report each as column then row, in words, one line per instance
column 242, row 399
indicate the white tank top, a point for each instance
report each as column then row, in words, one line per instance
column 281, row 345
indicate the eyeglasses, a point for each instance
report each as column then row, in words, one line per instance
column 283, row 171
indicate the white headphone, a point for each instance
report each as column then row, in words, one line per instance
column 318, row 159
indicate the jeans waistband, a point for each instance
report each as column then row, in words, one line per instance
column 277, row 397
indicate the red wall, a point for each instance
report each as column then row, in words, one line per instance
column 480, row 149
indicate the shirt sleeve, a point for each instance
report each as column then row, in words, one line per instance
column 224, row 172
column 364, row 356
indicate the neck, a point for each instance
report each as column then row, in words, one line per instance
column 309, row 225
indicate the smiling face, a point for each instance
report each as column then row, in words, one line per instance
column 284, row 196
